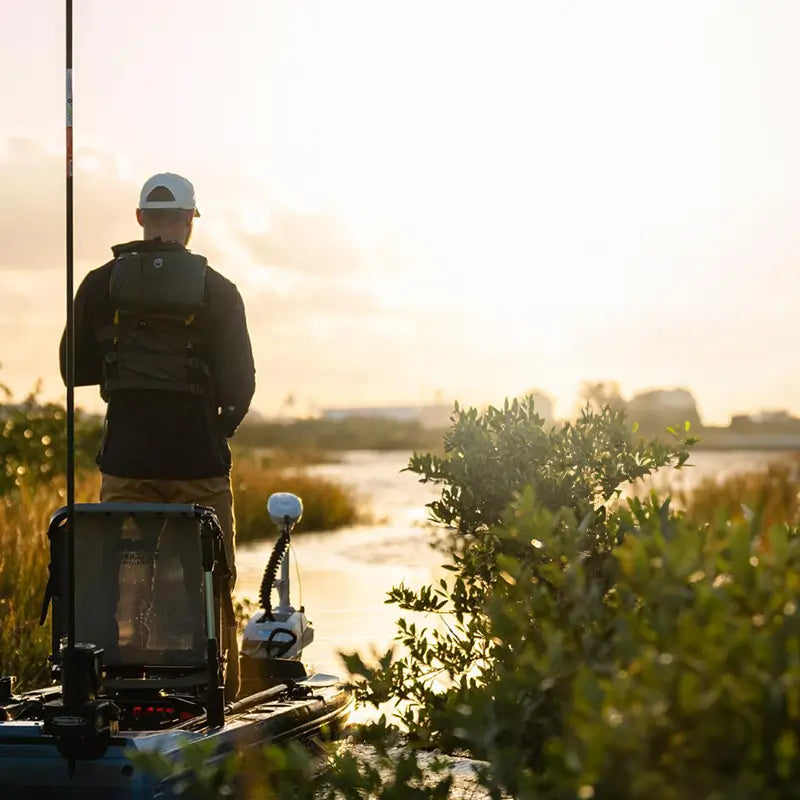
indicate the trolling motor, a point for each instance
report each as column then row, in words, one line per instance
column 81, row 723
column 276, row 636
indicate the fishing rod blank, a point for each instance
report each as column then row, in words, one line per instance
column 70, row 355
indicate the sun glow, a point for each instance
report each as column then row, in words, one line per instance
column 534, row 192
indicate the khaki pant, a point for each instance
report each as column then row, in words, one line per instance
column 212, row 492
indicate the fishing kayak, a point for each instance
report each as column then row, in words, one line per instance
column 147, row 673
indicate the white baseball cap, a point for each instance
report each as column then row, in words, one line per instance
column 168, row 190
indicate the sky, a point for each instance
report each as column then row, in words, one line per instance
column 421, row 201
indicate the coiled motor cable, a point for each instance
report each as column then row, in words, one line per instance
column 271, row 571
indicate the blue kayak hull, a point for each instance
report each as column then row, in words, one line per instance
column 32, row 768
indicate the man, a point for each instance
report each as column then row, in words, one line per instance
column 165, row 337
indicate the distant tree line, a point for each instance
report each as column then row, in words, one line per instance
column 351, row 433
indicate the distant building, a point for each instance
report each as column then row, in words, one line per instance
column 428, row 416
column 659, row 409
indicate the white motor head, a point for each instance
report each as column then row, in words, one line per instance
column 284, row 508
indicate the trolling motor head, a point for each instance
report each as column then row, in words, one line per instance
column 285, row 509
column 279, row 633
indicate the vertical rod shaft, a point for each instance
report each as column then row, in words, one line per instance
column 70, row 346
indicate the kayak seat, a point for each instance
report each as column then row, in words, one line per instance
column 140, row 587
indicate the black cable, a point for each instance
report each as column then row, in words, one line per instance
column 270, row 573
column 282, row 647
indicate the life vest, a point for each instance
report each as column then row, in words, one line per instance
column 156, row 297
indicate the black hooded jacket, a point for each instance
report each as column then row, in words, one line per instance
column 163, row 434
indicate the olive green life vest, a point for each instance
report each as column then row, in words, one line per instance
column 151, row 344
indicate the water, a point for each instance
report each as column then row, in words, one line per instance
column 344, row 575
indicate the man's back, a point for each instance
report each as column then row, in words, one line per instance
column 152, row 433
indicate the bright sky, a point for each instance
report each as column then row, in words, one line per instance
column 471, row 198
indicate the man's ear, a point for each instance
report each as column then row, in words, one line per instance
column 139, row 216
column 189, row 229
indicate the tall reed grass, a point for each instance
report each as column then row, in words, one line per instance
column 24, row 555
column 773, row 493
column 326, row 505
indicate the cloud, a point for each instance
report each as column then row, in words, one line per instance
column 32, row 207
column 305, row 242
column 33, row 202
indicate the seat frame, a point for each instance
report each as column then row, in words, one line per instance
column 134, row 679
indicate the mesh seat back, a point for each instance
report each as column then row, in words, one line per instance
column 139, row 584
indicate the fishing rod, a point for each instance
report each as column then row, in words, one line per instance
column 70, row 359
column 80, row 723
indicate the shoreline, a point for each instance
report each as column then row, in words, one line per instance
column 777, row 442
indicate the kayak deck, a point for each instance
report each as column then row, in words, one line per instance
column 32, row 767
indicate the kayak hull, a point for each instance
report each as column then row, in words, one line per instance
column 31, row 766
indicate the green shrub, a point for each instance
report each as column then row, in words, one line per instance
column 488, row 459
column 672, row 672
column 593, row 648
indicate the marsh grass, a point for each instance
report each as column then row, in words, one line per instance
column 772, row 493
column 326, row 505
column 24, row 644
column 24, row 555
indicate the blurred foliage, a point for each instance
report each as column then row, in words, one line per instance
column 32, row 486
column 33, row 442
column 671, row 671
column 24, row 555
column 196, row 771
column 281, row 457
column 320, row 769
